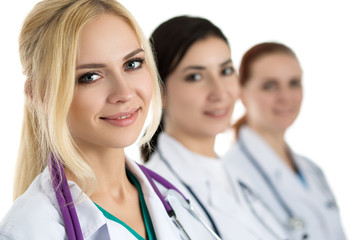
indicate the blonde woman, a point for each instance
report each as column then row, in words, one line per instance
column 90, row 81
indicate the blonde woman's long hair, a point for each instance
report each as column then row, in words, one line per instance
column 48, row 48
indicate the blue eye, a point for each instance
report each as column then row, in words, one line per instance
column 89, row 77
column 134, row 64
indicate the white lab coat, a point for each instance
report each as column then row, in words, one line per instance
column 233, row 220
column 314, row 202
column 36, row 214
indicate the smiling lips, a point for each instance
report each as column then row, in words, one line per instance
column 122, row 119
column 287, row 111
column 219, row 113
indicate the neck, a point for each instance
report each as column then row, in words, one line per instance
column 108, row 165
column 277, row 142
column 200, row 145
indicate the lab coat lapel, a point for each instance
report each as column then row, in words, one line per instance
column 317, row 187
column 279, row 173
column 188, row 165
column 181, row 160
column 163, row 226
column 90, row 218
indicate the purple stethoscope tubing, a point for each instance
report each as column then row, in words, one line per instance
column 151, row 175
column 66, row 203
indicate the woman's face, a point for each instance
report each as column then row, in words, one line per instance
column 201, row 92
column 113, row 86
column 273, row 94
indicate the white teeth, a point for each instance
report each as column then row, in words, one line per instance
column 123, row 117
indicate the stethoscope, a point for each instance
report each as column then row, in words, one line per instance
column 294, row 223
column 212, row 222
column 68, row 211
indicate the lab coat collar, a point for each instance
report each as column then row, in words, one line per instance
column 270, row 161
column 260, row 149
column 154, row 205
column 90, row 217
column 188, row 165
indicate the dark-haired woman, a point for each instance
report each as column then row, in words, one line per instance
column 200, row 88
column 291, row 185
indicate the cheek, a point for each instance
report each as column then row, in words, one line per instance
column 177, row 100
column 299, row 97
column 83, row 107
column 180, row 96
column 233, row 89
column 146, row 89
column 258, row 101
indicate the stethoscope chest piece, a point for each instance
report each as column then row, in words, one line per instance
column 296, row 223
column 297, row 227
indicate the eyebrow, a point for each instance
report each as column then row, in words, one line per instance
column 100, row 65
column 226, row 62
column 202, row 67
column 133, row 53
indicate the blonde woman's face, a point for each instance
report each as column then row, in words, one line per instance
column 113, row 86
column 273, row 94
column 201, row 92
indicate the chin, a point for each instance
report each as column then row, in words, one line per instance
column 283, row 126
column 120, row 141
column 212, row 131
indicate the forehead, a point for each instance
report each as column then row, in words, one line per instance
column 206, row 52
column 276, row 64
column 107, row 35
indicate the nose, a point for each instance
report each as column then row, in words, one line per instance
column 285, row 94
column 217, row 89
column 120, row 90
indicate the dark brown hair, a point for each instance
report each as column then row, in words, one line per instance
column 171, row 41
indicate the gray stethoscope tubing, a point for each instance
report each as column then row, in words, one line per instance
column 215, row 230
column 293, row 222
column 244, row 188
column 185, row 203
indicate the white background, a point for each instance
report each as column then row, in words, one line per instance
column 325, row 36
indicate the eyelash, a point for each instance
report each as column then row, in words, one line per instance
column 269, row 85
column 139, row 60
column 295, row 83
column 225, row 73
column 82, row 78
column 194, row 77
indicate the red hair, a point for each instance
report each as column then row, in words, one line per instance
column 248, row 60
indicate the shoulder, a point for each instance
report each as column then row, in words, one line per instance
column 155, row 164
column 306, row 163
column 234, row 155
column 154, row 161
column 32, row 216
column 233, row 150
column 310, row 169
